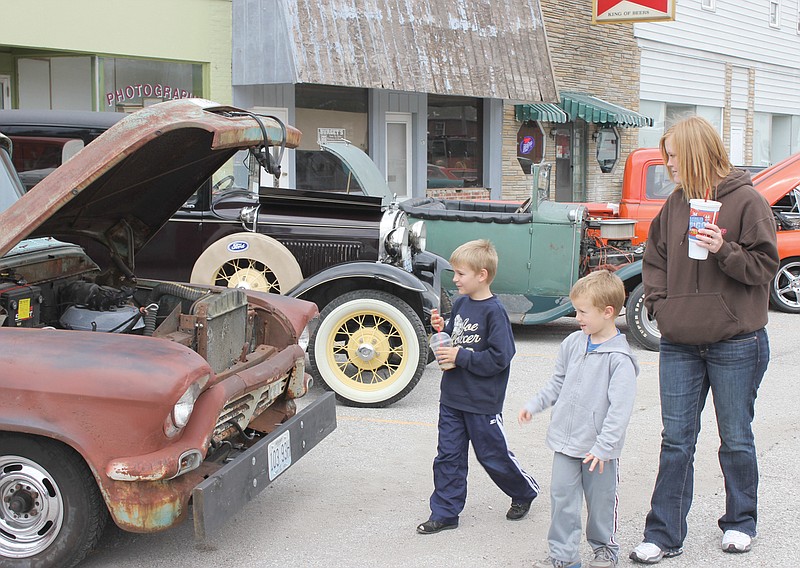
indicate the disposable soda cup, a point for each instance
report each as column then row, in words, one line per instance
column 701, row 211
column 441, row 339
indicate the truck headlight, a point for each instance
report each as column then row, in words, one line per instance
column 397, row 242
column 182, row 410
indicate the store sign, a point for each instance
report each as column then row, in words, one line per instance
column 331, row 135
column 618, row 11
column 146, row 90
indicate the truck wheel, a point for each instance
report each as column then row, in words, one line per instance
column 370, row 348
column 51, row 511
column 784, row 292
column 641, row 326
column 248, row 260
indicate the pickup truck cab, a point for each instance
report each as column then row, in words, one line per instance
column 646, row 186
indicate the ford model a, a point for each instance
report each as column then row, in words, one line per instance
column 123, row 397
column 544, row 247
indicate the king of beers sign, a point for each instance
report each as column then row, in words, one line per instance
column 618, row 11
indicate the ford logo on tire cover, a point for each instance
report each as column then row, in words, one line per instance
column 238, row 246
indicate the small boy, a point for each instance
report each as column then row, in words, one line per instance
column 592, row 390
column 472, row 393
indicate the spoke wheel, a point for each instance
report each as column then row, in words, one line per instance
column 51, row 511
column 248, row 260
column 784, row 292
column 370, row 348
column 641, row 325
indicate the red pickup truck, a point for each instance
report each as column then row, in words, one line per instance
column 646, row 185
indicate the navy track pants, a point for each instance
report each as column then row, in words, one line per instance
column 456, row 429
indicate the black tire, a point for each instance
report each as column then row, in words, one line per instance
column 784, row 290
column 641, row 326
column 370, row 348
column 51, row 510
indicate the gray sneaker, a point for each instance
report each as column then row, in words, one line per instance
column 603, row 558
column 552, row 562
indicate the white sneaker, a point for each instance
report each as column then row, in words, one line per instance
column 647, row 553
column 735, row 541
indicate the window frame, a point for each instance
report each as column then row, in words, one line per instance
column 776, row 21
column 709, row 5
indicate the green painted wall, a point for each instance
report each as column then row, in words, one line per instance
column 197, row 31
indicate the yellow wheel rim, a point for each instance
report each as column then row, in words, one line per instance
column 367, row 350
column 247, row 273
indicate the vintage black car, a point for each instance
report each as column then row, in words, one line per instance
column 348, row 249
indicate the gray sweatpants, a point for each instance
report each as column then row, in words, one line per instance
column 570, row 482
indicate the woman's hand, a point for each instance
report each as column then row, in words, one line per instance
column 710, row 238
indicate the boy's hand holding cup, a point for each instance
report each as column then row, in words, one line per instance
column 441, row 343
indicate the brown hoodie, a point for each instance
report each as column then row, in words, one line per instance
column 698, row 302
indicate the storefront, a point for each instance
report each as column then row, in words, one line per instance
column 424, row 97
column 89, row 63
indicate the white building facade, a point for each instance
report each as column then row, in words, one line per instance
column 735, row 62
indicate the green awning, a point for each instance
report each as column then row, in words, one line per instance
column 545, row 112
column 592, row 109
column 586, row 107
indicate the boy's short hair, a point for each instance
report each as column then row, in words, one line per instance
column 476, row 255
column 602, row 288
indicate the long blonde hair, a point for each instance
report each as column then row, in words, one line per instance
column 702, row 159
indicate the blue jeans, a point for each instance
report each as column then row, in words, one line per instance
column 732, row 370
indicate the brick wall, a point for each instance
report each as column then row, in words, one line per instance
column 599, row 60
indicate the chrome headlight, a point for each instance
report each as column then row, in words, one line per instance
column 397, row 242
column 394, row 236
column 418, row 236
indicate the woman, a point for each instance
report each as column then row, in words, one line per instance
column 711, row 314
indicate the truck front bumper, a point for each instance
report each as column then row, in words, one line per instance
column 238, row 482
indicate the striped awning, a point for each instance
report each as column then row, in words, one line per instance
column 575, row 106
column 598, row 111
column 546, row 112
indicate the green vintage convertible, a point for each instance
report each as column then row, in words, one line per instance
column 544, row 247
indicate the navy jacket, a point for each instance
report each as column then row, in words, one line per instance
column 483, row 331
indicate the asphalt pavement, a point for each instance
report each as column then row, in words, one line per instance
column 355, row 500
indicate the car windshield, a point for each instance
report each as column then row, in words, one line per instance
column 10, row 186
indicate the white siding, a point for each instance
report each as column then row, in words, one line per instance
column 737, row 28
column 670, row 77
column 739, row 87
column 777, row 93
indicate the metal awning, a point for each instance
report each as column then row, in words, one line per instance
column 592, row 109
column 586, row 107
column 545, row 112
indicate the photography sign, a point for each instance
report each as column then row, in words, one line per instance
column 619, row 11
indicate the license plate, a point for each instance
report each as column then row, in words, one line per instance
column 279, row 454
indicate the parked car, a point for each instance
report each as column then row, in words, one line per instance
column 543, row 247
column 348, row 249
column 646, row 185
column 125, row 397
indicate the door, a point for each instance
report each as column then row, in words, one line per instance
column 564, row 164
column 398, row 153
column 5, row 91
column 281, row 114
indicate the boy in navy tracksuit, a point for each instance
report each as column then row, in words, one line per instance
column 473, row 392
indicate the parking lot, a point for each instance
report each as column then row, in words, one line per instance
column 356, row 499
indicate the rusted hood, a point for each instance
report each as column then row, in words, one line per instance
column 125, row 185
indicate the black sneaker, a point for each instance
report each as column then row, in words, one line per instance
column 518, row 510
column 431, row 527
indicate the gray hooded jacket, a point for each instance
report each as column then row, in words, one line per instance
column 592, row 394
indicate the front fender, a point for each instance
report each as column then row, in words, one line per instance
column 354, row 270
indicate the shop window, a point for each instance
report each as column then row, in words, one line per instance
column 454, row 140
column 131, row 84
column 323, row 112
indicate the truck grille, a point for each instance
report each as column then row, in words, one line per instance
column 244, row 409
column 313, row 256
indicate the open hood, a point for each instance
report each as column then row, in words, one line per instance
column 125, row 185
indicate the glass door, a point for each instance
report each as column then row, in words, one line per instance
column 398, row 153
